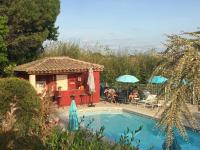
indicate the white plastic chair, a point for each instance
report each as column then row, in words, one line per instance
column 151, row 100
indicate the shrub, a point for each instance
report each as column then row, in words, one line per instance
column 28, row 103
column 86, row 138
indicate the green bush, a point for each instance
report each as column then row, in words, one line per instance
column 87, row 138
column 11, row 141
column 28, row 103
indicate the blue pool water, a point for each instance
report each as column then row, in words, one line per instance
column 115, row 125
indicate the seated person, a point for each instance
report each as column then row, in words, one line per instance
column 106, row 92
column 114, row 97
column 110, row 95
column 134, row 96
column 111, row 91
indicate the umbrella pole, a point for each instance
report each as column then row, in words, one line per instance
column 127, row 94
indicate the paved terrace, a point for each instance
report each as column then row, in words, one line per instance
column 62, row 113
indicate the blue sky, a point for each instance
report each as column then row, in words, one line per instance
column 132, row 24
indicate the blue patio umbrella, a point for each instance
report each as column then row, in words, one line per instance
column 73, row 117
column 127, row 79
column 158, row 80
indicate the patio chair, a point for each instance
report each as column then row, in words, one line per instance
column 151, row 100
column 135, row 101
column 121, row 97
column 146, row 93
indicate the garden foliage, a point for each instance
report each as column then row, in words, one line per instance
column 30, row 23
column 3, row 49
column 115, row 64
column 28, row 103
column 85, row 139
column 182, row 67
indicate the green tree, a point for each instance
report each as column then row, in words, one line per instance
column 62, row 49
column 182, row 67
column 3, row 50
column 115, row 63
column 30, row 23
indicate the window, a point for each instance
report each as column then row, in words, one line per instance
column 40, row 86
column 62, row 82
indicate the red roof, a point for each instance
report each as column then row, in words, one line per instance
column 56, row 65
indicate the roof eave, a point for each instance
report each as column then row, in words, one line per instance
column 60, row 71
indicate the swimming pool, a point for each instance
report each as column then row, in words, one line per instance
column 116, row 123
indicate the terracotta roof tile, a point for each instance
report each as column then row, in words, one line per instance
column 57, row 65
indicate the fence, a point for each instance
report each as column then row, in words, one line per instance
column 152, row 88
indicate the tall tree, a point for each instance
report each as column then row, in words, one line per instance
column 3, row 50
column 182, row 67
column 30, row 23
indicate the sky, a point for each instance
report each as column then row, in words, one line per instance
column 126, row 24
